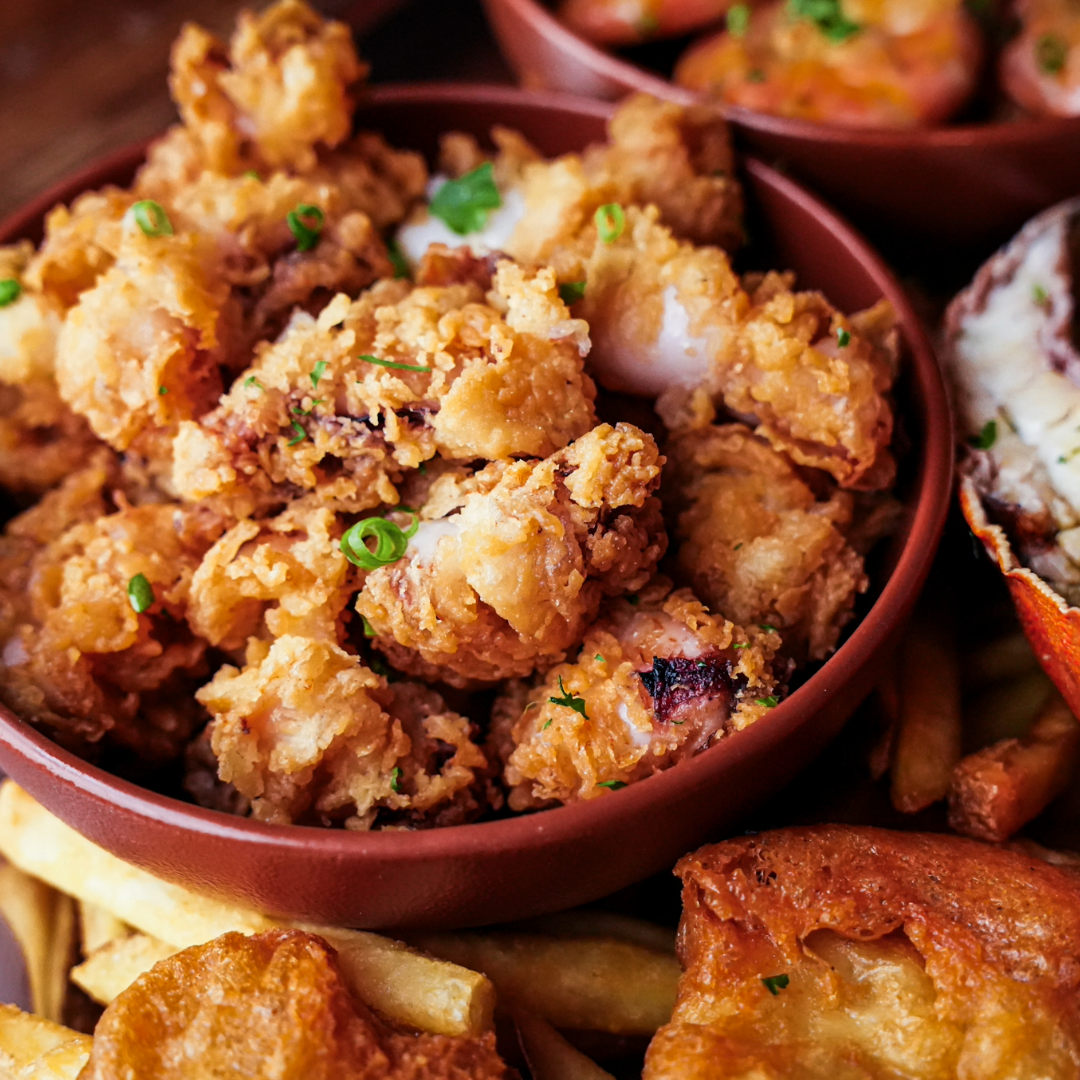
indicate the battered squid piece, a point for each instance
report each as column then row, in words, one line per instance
column 673, row 320
column 757, row 544
column 449, row 373
column 192, row 1015
column 838, row 952
column 85, row 664
column 655, row 682
column 508, row 567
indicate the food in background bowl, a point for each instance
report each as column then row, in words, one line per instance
column 341, row 479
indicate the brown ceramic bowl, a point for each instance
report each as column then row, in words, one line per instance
column 969, row 187
column 515, row 867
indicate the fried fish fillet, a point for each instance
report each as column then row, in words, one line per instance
column 844, row 953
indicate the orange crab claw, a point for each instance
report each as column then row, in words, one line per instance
column 1050, row 623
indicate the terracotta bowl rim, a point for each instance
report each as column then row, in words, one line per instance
column 607, row 65
column 537, row 829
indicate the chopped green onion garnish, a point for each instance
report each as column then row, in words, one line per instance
column 756, row 75
column 300, row 435
column 600, row 658
column 251, row 381
column 297, row 411
column 150, row 216
column 737, row 546
column 162, row 391
column 546, row 726
column 391, row 542
column 140, row 594
column 395, row 778
column 10, row 291
column 1051, row 52
column 397, row 259
column 369, row 630
column 251, row 174
column 738, row 20
column 571, row 292
column 393, row 364
column 305, row 223
column 775, row 983
column 1039, row 294
column 570, row 701
column 317, row 373
column 769, row 702
column 767, row 628
column 615, row 785
column 827, row 15
column 741, row 645
column 610, row 222
column 843, row 339
column 463, row 204
column 986, row 438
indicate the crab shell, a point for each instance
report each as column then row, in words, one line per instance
column 1049, row 622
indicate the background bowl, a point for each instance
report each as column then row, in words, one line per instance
column 516, row 867
column 970, row 186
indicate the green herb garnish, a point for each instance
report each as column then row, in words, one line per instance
column 610, row 222
column 251, row 174
column 600, row 658
column 317, row 373
column 140, row 594
column 738, row 20
column 570, row 701
column 300, row 435
column 986, row 438
column 843, row 339
column 10, row 291
column 251, row 381
column 767, row 627
column 775, row 983
column 369, row 630
column 378, row 665
column 741, row 645
column 1051, row 52
column 1064, row 459
column 614, row 785
column 398, row 260
column 395, row 777
column 756, row 75
column 391, row 542
column 162, row 391
column 305, row 223
column 647, row 25
column 546, row 726
column 571, row 292
column 1039, row 294
column 827, row 15
column 393, row 364
column 150, row 216
column 769, row 702
column 463, row 204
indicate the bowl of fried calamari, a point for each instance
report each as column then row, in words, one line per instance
column 938, row 124
column 376, row 527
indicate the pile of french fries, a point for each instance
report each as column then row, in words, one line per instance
column 84, row 916
column 1023, row 742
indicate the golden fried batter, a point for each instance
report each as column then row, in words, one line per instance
column 273, row 1006
column 512, row 577
column 454, row 375
column 840, row 952
column 755, row 542
column 655, row 682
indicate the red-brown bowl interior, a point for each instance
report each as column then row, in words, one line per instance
column 969, row 186
column 513, row 868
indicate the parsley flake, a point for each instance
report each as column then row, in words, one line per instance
column 10, row 291
column 300, row 435
column 140, row 594
column 614, row 785
column 463, row 204
column 317, row 372
column 775, row 983
column 162, row 391
column 570, row 701
column 986, row 438
column 769, row 702
column 571, row 292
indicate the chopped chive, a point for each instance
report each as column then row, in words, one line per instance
column 571, row 292
column 614, row 785
column 756, row 75
column 768, row 628
column 610, row 222
column 393, row 364
column 775, row 983
column 395, row 777
column 741, row 645
column 300, row 435
column 251, row 174
column 162, row 391
column 317, row 373
column 570, row 701
column 986, row 438
column 391, row 542
column 827, row 15
column 463, row 204
column 369, row 630
column 251, row 381
column 1039, row 294
column 843, row 339
column 140, row 594
column 769, row 702
column 150, row 216
column 305, row 223
column 10, row 291
column 1051, row 52
column 546, row 726
column 398, row 260
column 738, row 20
column 737, row 546
column 600, row 658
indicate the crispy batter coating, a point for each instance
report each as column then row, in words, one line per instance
column 312, row 414
column 904, row 955
column 756, row 543
column 655, row 682
column 273, row 1006
column 514, row 574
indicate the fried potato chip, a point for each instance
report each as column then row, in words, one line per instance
column 33, row 1048
column 113, row 967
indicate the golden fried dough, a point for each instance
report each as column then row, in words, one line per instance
column 845, row 952
column 273, row 1005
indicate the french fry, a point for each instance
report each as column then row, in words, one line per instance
column 589, row 923
column 997, row 790
column 43, row 922
column 415, row 990
column 583, row 983
column 114, row 966
column 928, row 738
column 33, row 1048
column 98, row 926
column 549, row 1055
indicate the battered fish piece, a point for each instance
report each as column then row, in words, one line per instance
column 273, row 1005
column 656, row 681
column 344, row 404
column 508, row 567
column 843, row 952
column 755, row 541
